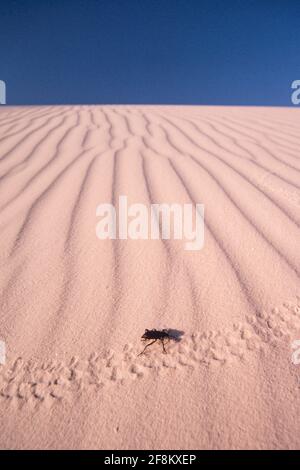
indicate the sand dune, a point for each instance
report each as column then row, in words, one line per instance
column 73, row 307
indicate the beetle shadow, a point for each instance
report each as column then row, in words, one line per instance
column 175, row 335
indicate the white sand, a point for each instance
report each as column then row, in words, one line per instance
column 73, row 307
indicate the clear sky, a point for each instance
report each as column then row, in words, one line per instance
column 150, row 51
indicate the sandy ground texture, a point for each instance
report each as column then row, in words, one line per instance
column 73, row 307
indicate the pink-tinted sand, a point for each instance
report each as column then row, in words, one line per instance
column 73, row 307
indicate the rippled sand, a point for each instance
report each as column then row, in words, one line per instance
column 73, row 307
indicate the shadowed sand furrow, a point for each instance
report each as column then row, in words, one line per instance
column 70, row 139
column 203, row 277
column 22, row 232
column 264, row 189
column 247, row 135
column 73, row 307
column 248, row 218
column 29, row 134
column 278, row 129
column 19, row 167
column 17, row 115
column 251, row 149
column 191, row 145
column 259, row 135
column 284, row 191
column 54, row 148
column 275, row 132
column 73, row 251
column 23, row 118
column 232, row 201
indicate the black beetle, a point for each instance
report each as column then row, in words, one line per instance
column 156, row 335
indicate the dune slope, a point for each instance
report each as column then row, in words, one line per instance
column 73, row 307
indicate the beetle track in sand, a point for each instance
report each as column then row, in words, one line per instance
column 36, row 384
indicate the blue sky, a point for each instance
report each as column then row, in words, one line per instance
column 150, row 51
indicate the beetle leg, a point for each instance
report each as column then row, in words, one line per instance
column 163, row 345
column 147, row 347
